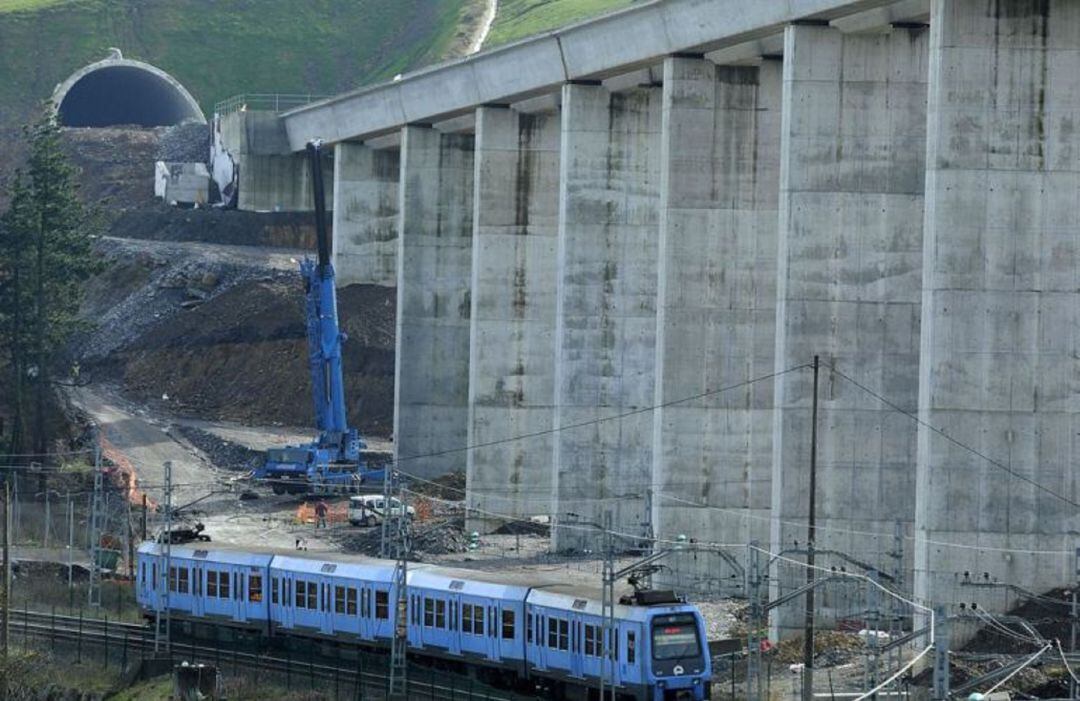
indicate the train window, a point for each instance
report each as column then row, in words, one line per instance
column 255, row 587
column 198, row 582
column 274, row 585
column 211, row 583
column 339, row 599
column 155, row 575
column 507, row 625
column 440, row 613
column 553, row 633
column 223, row 585
column 350, row 601
column 528, row 627
column 674, row 637
column 592, row 641
column 472, row 619
column 382, row 605
column 312, row 596
column 142, row 573
column 491, row 621
column 564, row 635
column 630, row 647
column 429, row 612
column 301, row 594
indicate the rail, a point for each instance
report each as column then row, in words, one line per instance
column 347, row 677
column 265, row 102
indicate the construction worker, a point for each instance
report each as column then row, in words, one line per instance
column 320, row 514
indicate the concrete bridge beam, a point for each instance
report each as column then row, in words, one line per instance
column 434, row 261
column 512, row 358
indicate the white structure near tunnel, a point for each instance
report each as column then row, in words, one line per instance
column 617, row 246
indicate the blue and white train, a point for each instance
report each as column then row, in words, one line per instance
column 538, row 635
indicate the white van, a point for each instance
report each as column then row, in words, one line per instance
column 367, row 510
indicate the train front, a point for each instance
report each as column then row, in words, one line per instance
column 679, row 664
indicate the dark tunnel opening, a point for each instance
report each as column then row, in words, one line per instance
column 125, row 95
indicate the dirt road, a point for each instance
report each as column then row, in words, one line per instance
column 148, row 444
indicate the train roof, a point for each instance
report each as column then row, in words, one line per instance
column 541, row 588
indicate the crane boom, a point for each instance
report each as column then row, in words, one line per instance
column 331, row 462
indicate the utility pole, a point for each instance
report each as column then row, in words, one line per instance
column 873, row 618
column 130, row 528
column 811, row 536
column 5, row 631
column 71, row 537
column 384, row 533
column 96, row 515
column 941, row 654
column 163, row 584
column 753, row 633
column 607, row 609
column 399, row 652
column 1073, row 622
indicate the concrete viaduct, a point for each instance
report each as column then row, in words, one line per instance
column 693, row 195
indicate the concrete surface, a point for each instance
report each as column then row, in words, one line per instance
column 1000, row 299
column 434, row 275
column 366, row 184
column 716, row 308
column 512, row 346
column 606, row 313
column 849, row 285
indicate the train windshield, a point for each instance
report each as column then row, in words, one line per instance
column 675, row 637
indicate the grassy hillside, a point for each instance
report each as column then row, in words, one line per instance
column 517, row 19
column 219, row 48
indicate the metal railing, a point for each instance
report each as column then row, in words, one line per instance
column 265, row 102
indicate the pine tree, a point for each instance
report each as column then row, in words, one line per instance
column 45, row 256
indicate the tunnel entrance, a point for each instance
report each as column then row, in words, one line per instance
column 118, row 91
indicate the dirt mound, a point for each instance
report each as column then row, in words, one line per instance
column 224, row 454
column 242, row 356
column 449, row 487
column 442, row 536
column 158, row 222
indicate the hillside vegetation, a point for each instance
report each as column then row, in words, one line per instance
column 517, row 19
column 219, row 48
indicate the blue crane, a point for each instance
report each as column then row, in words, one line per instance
column 332, row 462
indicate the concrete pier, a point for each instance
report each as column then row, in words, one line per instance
column 849, row 287
column 433, row 280
column 716, row 308
column 1000, row 305
column 609, row 194
column 512, row 358
column 366, row 183
column 691, row 195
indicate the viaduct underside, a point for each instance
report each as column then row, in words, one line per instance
column 627, row 267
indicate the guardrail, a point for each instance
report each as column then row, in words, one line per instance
column 265, row 102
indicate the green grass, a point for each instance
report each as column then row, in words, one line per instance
column 517, row 19
column 24, row 5
column 220, row 48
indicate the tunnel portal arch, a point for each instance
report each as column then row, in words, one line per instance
column 120, row 91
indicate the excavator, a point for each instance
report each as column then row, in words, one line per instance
column 332, row 463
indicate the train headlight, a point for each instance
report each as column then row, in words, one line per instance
column 696, row 681
column 662, row 684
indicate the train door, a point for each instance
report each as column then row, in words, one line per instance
column 538, row 650
column 365, row 611
column 415, row 618
column 577, row 658
column 491, row 632
column 239, row 611
column 288, row 604
column 326, row 608
column 452, row 638
column 198, row 603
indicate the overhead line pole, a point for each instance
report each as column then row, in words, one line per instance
column 811, row 536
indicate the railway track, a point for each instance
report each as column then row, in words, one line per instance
column 133, row 641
